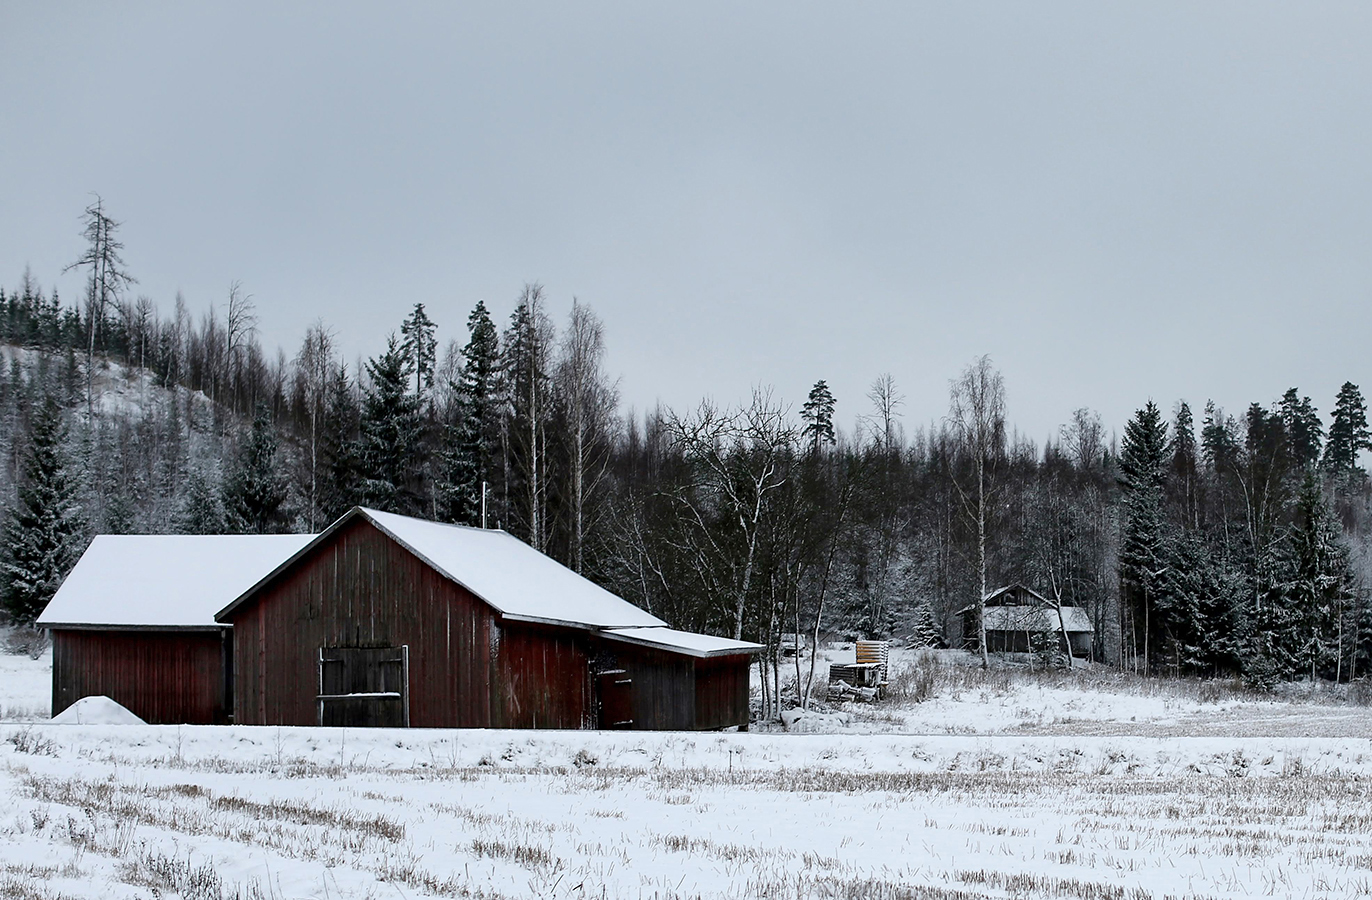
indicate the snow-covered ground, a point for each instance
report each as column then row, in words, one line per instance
column 25, row 686
column 204, row 812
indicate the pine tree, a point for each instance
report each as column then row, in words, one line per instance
column 1183, row 481
column 389, row 459
column 420, row 348
column 1142, row 462
column 45, row 531
column 527, row 345
column 255, row 492
column 1348, row 436
column 818, row 413
column 1304, row 432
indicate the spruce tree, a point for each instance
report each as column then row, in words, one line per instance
column 1142, row 462
column 339, row 489
column 818, row 413
column 202, row 511
column 255, row 491
column 470, row 441
column 1348, row 436
column 389, row 460
column 45, row 531
column 1321, row 580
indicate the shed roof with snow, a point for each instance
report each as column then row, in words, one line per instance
column 164, row 581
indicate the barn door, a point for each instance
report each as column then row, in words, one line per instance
column 616, row 690
column 364, row 687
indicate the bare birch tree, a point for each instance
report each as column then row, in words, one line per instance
column 976, row 411
column 740, row 460
column 314, row 369
column 589, row 400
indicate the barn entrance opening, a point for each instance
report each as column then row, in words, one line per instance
column 616, row 693
column 364, row 687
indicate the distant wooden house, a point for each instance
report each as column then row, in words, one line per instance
column 1019, row 619
column 134, row 621
column 389, row 620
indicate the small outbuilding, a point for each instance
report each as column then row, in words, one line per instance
column 389, row 620
column 1019, row 619
column 134, row 621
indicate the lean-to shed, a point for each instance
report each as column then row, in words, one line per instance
column 134, row 621
column 389, row 620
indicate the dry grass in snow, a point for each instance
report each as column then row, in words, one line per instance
column 141, row 811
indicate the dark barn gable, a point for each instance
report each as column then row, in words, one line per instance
column 365, row 585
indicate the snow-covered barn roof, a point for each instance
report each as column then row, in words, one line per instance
column 513, row 578
column 687, row 642
column 153, row 581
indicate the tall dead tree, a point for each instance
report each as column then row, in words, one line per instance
column 106, row 283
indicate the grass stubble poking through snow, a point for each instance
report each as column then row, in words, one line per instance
column 128, row 812
column 1117, row 809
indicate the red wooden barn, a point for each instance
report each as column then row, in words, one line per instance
column 134, row 621
column 390, row 620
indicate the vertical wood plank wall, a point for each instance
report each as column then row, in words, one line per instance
column 361, row 589
column 468, row 667
column 545, row 679
column 162, row 677
column 664, row 687
column 721, row 685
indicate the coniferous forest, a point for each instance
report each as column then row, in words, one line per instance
column 1201, row 542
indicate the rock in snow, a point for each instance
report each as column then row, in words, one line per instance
column 96, row 711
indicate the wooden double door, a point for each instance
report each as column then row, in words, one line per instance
column 364, row 687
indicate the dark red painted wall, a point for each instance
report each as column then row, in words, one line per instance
column 361, row 589
column 721, row 691
column 162, row 677
column 469, row 668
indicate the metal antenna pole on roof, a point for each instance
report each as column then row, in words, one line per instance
column 483, row 504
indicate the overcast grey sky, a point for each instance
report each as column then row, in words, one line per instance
column 1115, row 203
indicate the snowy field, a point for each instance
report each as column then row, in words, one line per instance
column 977, row 805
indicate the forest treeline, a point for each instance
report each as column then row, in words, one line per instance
column 1232, row 546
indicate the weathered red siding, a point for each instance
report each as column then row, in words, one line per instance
column 721, row 684
column 163, row 677
column 362, row 589
column 545, row 678
column 663, row 687
column 468, row 667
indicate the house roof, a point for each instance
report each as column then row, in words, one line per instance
column 1036, row 618
column 516, row 580
column 163, row 581
column 687, row 642
column 998, row 593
